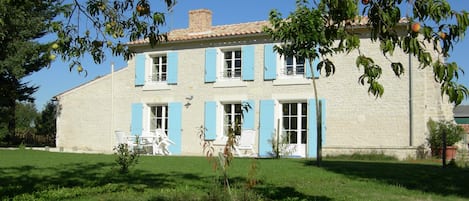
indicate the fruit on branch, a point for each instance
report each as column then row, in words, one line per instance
column 442, row 35
column 143, row 9
column 55, row 46
column 80, row 68
column 365, row 2
column 52, row 57
column 415, row 27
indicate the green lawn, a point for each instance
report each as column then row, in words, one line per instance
column 37, row 175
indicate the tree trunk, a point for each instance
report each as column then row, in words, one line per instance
column 318, row 126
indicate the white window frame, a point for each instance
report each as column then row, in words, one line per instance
column 299, row 115
column 232, row 115
column 164, row 118
column 222, row 75
column 161, row 76
column 282, row 65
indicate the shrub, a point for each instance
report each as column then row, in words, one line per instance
column 125, row 157
column 454, row 133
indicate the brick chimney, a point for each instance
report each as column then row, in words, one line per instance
column 200, row 20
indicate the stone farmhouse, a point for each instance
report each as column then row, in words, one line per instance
column 203, row 76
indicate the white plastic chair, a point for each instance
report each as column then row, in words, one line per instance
column 245, row 143
column 149, row 139
column 163, row 142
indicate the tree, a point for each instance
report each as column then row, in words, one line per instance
column 74, row 29
column 97, row 25
column 325, row 29
column 46, row 123
column 21, row 24
column 26, row 120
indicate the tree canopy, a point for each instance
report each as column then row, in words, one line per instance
column 325, row 28
column 34, row 33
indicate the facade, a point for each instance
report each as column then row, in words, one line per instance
column 205, row 76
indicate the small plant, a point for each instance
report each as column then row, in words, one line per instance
column 437, row 129
column 125, row 157
column 22, row 146
column 421, row 152
column 280, row 146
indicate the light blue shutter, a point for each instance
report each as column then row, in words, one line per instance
column 139, row 69
column 174, row 127
column 322, row 103
column 247, row 69
column 210, row 65
column 266, row 126
column 315, row 68
column 136, row 125
column 270, row 62
column 248, row 116
column 312, row 129
column 172, row 68
column 210, row 119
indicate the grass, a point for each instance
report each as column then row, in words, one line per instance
column 38, row 175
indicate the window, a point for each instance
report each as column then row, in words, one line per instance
column 231, row 117
column 159, row 68
column 292, row 66
column 232, row 64
column 294, row 121
column 159, row 118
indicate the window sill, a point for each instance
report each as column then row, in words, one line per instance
column 291, row 81
column 156, row 86
column 229, row 83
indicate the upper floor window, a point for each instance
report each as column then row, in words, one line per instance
column 159, row 68
column 293, row 66
column 232, row 63
column 159, row 118
column 232, row 118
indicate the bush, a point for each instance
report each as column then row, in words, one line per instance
column 454, row 133
column 125, row 157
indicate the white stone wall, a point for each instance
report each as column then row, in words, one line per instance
column 355, row 120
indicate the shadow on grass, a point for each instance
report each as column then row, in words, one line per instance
column 29, row 179
column 288, row 193
column 422, row 177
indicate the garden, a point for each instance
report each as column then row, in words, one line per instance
column 40, row 175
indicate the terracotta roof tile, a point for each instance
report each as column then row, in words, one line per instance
column 232, row 30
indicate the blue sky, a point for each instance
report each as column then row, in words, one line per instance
column 57, row 79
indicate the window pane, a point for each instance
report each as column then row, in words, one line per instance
column 303, row 137
column 238, row 63
column 300, row 70
column 289, row 61
column 294, row 109
column 238, row 54
column 237, row 73
column 294, row 123
column 304, row 109
column 159, row 111
column 163, row 73
column 286, row 123
column 238, row 108
column 293, row 137
column 227, row 108
column 304, row 122
column 159, row 122
column 300, row 61
column 228, row 55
